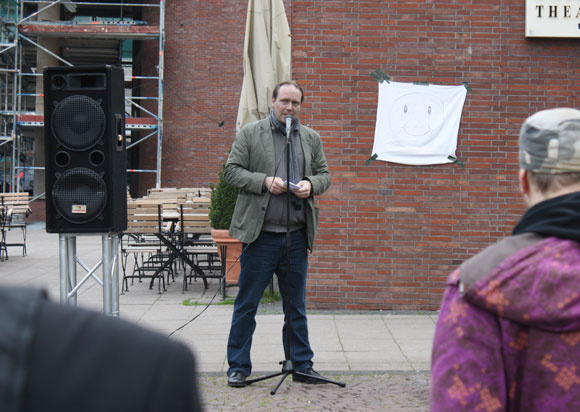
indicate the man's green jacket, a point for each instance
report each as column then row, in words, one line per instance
column 252, row 159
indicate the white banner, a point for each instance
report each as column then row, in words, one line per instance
column 417, row 124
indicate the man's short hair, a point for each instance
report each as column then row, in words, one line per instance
column 546, row 182
column 286, row 83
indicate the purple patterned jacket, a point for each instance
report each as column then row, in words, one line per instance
column 508, row 334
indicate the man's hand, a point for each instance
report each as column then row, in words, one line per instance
column 275, row 185
column 305, row 187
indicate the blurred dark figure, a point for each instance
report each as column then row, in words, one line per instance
column 59, row 358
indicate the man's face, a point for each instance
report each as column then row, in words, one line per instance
column 287, row 102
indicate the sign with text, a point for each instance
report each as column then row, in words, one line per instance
column 552, row 18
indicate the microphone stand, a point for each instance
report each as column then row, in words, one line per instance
column 287, row 366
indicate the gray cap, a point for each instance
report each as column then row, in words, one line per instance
column 550, row 141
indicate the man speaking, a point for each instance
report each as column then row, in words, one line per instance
column 257, row 165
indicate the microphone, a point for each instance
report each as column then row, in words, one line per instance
column 288, row 119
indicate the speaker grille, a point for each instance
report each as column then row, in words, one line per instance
column 78, row 122
column 79, row 195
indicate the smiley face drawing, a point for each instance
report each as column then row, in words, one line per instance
column 416, row 118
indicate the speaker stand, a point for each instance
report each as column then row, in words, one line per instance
column 109, row 262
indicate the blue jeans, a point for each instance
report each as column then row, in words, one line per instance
column 259, row 261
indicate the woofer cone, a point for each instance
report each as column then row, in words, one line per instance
column 79, row 195
column 78, row 122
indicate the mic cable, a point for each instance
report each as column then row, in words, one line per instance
column 239, row 257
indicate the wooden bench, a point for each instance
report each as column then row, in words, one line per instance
column 182, row 216
column 140, row 240
column 194, row 216
column 14, row 208
column 171, row 198
column 187, row 192
column 194, row 228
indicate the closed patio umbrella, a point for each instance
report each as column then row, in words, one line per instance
column 267, row 58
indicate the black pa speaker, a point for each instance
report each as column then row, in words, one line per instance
column 85, row 153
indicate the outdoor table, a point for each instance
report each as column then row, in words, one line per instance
column 176, row 241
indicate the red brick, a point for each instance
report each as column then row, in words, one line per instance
column 389, row 233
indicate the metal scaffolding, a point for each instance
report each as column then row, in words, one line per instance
column 37, row 33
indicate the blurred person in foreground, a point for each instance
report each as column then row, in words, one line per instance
column 257, row 165
column 508, row 334
column 55, row 357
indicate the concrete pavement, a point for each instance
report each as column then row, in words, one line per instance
column 342, row 341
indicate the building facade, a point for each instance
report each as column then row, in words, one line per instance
column 389, row 233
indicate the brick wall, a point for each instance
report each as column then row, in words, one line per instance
column 203, row 72
column 389, row 234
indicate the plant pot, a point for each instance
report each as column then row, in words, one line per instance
column 234, row 250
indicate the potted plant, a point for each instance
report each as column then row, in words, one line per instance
column 223, row 200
